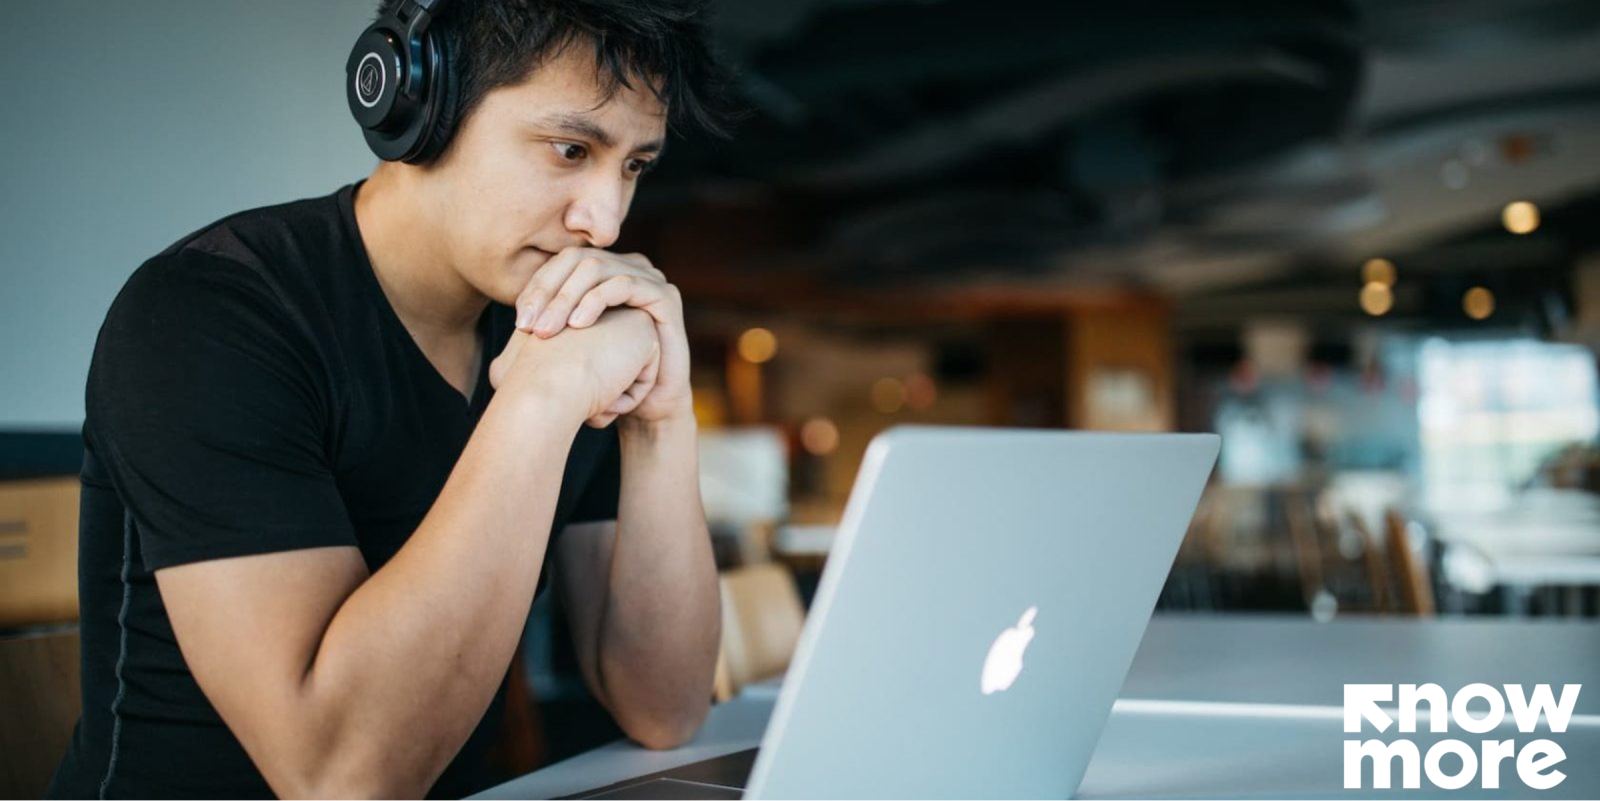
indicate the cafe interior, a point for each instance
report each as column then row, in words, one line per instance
column 1359, row 239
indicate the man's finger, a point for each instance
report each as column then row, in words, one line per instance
column 545, row 282
column 614, row 291
column 626, row 402
column 639, row 389
column 590, row 271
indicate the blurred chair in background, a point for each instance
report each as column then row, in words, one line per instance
column 1310, row 555
column 39, row 694
column 39, row 704
column 520, row 745
column 1411, row 574
column 761, row 622
column 1304, row 546
column 38, row 552
column 1375, row 570
column 1192, row 584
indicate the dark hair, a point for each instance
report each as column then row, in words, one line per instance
column 663, row 44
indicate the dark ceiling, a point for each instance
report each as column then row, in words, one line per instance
column 1192, row 147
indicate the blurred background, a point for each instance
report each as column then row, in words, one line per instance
column 1361, row 240
column 1358, row 238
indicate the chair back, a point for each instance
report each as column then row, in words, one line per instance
column 40, row 699
column 761, row 621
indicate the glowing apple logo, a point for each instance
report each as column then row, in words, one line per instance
column 1004, row 663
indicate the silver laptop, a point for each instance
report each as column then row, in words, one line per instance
column 979, row 609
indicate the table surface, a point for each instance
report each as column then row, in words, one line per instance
column 1235, row 706
column 1292, row 660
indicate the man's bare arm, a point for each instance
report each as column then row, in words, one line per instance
column 641, row 593
column 342, row 684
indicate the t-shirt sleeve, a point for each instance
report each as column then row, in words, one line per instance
column 204, row 404
column 604, row 489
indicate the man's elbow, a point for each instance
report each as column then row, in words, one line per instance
column 664, row 731
column 341, row 776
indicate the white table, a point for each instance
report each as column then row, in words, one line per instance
column 1542, row 524
column 1234, row 707
column 1536, row 571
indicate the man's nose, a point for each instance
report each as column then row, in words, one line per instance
column 597, row 212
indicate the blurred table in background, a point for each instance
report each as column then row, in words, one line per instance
column 1547, row 540
column 1542, row 522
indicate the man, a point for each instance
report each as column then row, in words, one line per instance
column 311, row 534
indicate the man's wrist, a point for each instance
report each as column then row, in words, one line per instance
column 547, row 398
column 677, row 427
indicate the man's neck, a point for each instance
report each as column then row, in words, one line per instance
column 401, row 240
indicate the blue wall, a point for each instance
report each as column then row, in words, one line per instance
column 124, row 126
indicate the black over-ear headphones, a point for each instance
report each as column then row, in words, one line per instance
column 396, row 80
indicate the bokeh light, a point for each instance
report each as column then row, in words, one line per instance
column 1376, row 299
column 757, row 345
column 819, row 436
column 1520, row 217
column 888, row 395
column 1478, row 303
column 1378, row 271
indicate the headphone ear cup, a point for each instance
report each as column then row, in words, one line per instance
column 439, row 110
column 372, row 80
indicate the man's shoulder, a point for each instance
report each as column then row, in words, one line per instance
column 275, row 236
column 279, row 255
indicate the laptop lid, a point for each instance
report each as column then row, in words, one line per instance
column 979, row 610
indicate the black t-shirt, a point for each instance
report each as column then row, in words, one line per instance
column 252, row 391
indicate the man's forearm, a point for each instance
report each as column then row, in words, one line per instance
column 662, row 620
column 413, row 657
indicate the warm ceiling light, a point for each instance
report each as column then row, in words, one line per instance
column 757, row 345
column 1520, row 217
column 888, row 395
column 819, row 436
column 1376, row 299
column 1378, row 271
column 1478, row 303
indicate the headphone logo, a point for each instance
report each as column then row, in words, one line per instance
column 370, row 78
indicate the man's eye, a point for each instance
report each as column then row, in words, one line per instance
column 570, row 151
column 641, row 166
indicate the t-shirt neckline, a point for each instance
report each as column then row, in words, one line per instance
column 369, row 279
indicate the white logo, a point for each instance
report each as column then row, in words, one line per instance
column 1004, row 662
column 370, row 78
column 1535, row 761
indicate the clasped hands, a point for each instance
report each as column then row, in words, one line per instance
column 604, row 329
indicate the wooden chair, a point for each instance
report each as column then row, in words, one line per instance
column 519, row 747
column 40, row 699
column 761, row 621
column 1307, row 543
column 1374, row 563
column 38, row 552
column 1410, row 573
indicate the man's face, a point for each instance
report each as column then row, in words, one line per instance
column 540, row 166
